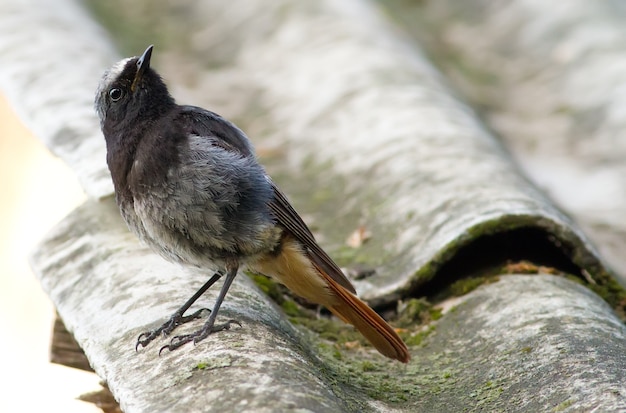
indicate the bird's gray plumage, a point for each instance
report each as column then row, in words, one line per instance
column 187, row 180
column 210, row 206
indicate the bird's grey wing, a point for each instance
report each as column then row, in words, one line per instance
column 288, row 218
column 202, row 122
column 230, row 138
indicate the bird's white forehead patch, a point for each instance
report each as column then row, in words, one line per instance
column 105, row 83
column 114, row 72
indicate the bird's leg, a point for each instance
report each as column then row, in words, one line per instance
column 178, row 317
column 209, row 326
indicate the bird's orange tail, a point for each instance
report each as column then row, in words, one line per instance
column 305, row 278
column 352, row 310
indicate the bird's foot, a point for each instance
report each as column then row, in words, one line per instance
column 175, row 320
column 196, row 337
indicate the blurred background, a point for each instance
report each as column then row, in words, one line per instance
column 38, row 191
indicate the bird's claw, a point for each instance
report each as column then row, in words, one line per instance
column 166, row 328
column 196, row 337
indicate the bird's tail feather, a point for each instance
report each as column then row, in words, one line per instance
column 349, row 308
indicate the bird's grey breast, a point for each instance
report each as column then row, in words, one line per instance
column 210, row 206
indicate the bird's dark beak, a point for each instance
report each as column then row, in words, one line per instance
column 143, row 64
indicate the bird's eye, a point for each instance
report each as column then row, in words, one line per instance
column 115, row 94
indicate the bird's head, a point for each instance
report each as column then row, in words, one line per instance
column 131, row 91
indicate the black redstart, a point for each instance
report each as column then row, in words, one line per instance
column 187, row 183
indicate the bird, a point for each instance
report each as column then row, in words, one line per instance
column 189, row 185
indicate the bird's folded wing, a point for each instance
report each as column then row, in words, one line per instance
column 203, row 122
column 291, row 221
